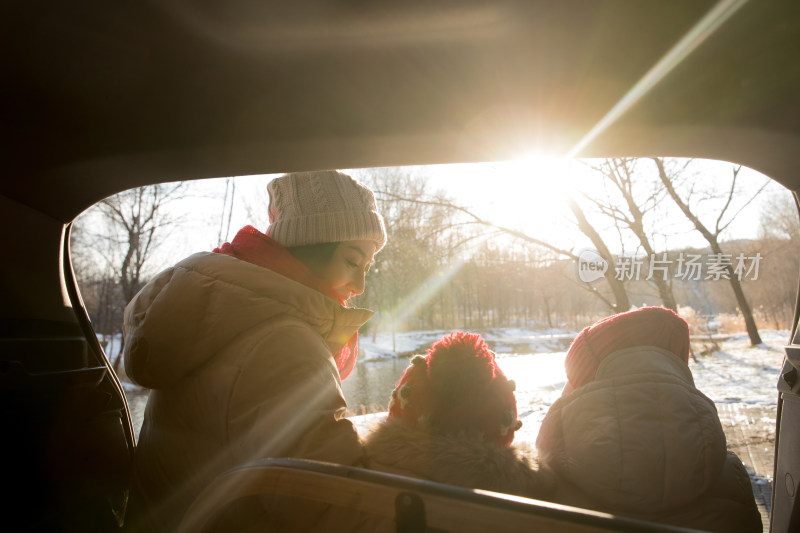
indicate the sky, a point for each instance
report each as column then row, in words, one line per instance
column 531, row 194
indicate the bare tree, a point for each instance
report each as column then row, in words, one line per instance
column 134, row 219
column 419, row 243
column 129, row 226
column 774, row 293
column 621, row 302
column 780, row 219
column 620, row 174
column 256, row 206
column 98, row 285
column 227, row 207
column 711, row 233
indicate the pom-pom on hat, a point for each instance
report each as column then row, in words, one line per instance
column 648, row 326
column 319, row 207
column 458, row 386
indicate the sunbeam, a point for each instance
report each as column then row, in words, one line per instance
column 268, row 430
column 411, row 304
column 704, row 28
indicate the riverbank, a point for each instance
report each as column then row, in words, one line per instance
column 735, row 374
column 501, row 340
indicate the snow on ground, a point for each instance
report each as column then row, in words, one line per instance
column 741, row 373
column 502, row 340
column 385, row 345
column 737, row 374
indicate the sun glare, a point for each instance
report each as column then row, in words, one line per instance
column 542, row 176
column 536, row 190
column 529, row 193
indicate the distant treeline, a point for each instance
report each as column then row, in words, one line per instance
column 502, row 286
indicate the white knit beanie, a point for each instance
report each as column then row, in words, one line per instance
column 319, row 207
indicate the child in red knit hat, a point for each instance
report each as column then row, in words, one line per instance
column 648, row 326
column 452, row 419
column 458, row 387
column 632, row 435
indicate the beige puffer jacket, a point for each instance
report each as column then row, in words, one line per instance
column 240, row 361
column 641, row 440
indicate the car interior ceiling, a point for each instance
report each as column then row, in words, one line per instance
column 101, row 97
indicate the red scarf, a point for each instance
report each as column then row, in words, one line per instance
column 256, row 248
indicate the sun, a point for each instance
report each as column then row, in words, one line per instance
column 530, row 193
column 536, row 193
column 543, row 176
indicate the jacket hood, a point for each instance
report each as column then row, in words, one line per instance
column 640, row 436
column 463, row 459
column 190, row 312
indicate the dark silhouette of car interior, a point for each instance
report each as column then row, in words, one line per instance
column 99, row 97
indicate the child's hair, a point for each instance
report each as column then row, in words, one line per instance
column 458, row 386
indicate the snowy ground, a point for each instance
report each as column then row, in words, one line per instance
column 737, row 374
column 503, row 341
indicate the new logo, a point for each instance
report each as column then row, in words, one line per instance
column 591, row 266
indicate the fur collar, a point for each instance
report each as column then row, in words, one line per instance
column 463, row 459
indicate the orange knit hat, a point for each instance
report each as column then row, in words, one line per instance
column 458, row 386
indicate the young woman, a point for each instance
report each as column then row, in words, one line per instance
column 245, row 347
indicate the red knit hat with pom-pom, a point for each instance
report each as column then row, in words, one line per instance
column 648, row 326
column 456, row 386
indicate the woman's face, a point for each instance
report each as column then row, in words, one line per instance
column 347, row 267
